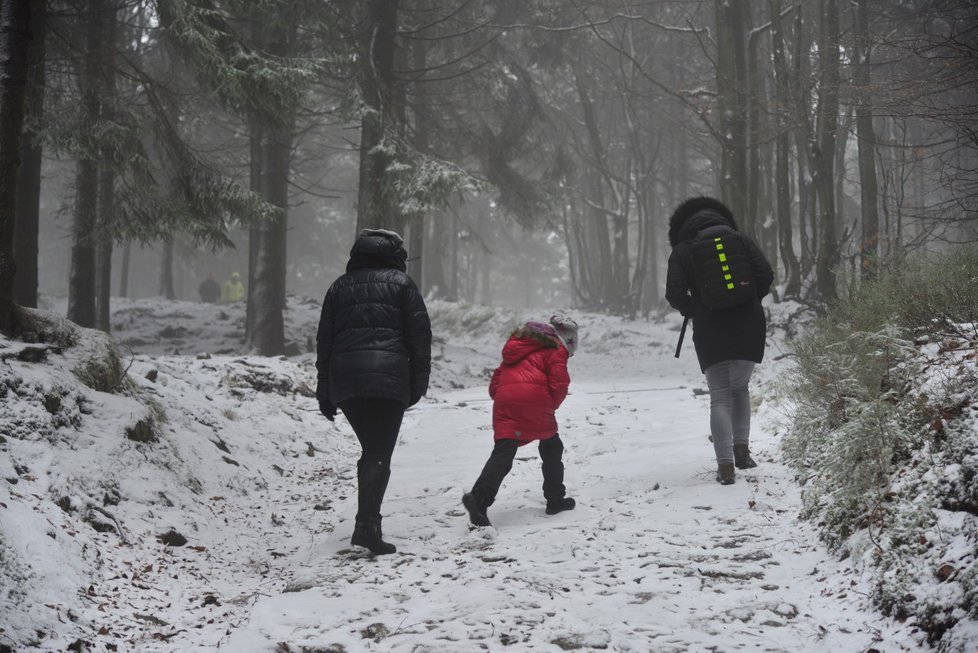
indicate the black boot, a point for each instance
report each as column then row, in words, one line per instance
column 370, row 536
column 372, row 478
column 551, row 453
column 726, row 474
column 742, row 457
column 560, row 505
column 486, row 487
column 477, row 512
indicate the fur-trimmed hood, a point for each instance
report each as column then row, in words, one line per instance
column 695, row 214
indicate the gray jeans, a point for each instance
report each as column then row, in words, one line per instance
column 729, row 406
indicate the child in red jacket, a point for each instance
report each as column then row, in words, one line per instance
column 527, row 388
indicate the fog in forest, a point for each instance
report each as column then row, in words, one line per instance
column 530, row 153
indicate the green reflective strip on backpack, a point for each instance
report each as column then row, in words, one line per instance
column 723, row 259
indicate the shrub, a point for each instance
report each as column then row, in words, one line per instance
column 885, row 434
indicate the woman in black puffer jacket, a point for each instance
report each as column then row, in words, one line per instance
column 728, row 342
column 373, row 362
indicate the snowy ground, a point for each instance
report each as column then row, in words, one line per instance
column 656, row 557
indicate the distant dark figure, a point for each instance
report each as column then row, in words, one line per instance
column 729, row 340
column 373, row 362
column 210, row 290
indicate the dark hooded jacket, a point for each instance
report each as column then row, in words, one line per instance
column 730, row 334
column 374, row 336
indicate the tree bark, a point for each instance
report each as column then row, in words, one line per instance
column 103, row 253
column 599, row 260
column 106, row 190
column 29, row 183
column 124, row 269
column 377, row 41
column 81, row 281
column 731, row 100
column 166, row 269
column 827, row 114
column 267, row 283
column 866, row 140
column 782, row 164
column 15, row 18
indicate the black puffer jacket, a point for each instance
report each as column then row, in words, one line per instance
column 374, row 336
column 730, row 334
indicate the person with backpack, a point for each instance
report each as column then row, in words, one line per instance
column 527, row 388
column 717, row 277
column 373, row 361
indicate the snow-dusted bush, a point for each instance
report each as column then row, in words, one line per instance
column 850, row 430
column 885, row 437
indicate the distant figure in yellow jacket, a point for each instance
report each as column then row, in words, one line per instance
column 233, row 290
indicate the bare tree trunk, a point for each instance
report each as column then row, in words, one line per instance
column 868, row 187
column 103, row 253
column 434, row 270
column 376, row 83
column 81, row 281
column 422, row 136
column 267, row 286
column 166, row 269
column 29, row 182
column 15, row 20
column 124, row 269
column 827, row 112
column 782, row 172
column 599, row 261
column 256, row 184
column 731, row 100
column 106, row 191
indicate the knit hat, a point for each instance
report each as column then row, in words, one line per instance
column 566, row 331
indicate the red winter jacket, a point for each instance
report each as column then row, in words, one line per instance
column 528, row 387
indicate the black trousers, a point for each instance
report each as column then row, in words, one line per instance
column 501, row 462
column 377, row 423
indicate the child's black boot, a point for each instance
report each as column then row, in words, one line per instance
column 560, row 505
column 477, row 512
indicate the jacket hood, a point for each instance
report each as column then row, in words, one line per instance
column 378, row 248
column 696, row 214
column 529, row 338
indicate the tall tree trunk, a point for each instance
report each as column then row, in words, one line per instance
column 377, row 41
column 81, row 282
column 827, row 114
column 731, row 100
column 124, row 269
column 600, row 261
column 782, row 153
column 166, row 269
column 434, row 270
column 103, row 252
column 29, row 182
column 106, row 191
column 868, row 187
column 423, row 129
column 266, row 290
column 15, row 21
column 256, row 185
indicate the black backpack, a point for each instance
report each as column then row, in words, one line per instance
column 722, row 271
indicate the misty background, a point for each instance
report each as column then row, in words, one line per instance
column 529, row 151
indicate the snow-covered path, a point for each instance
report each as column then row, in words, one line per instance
column 656, row 557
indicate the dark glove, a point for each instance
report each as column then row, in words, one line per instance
column 415, row 399
column 327, row 409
